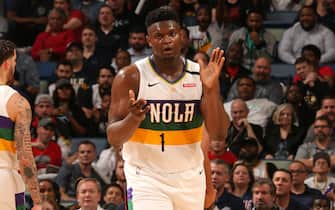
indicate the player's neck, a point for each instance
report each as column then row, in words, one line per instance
column 3, row 81
column 168, row 66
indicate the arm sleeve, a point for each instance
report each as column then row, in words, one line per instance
column 302, row 152
column 329, row 54
column 285, row 47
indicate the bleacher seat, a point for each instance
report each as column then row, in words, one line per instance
column 280, row 19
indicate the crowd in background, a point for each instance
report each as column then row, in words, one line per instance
column 84, row 43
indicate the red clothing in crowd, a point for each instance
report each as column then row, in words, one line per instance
column 227, row 156
column 55, row 41
column 323, row 71
column 80, row 16
column 52, row 153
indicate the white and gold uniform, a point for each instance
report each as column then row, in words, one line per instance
column 11, row 184
column 163, row 158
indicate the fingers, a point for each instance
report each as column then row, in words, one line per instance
column 217, row 56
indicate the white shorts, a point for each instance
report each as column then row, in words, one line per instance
column 11, row 190
column 159, row 191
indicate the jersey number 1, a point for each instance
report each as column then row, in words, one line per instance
column 162, row 141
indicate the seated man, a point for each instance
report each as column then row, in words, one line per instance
column 47, row 153
column 220, row 176
column 300, row 191
column 322, row 179
column 260, row 109
column 322, row 142
column 240, row 128
column 88, row 193
column 69, row 173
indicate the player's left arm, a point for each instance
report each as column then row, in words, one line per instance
column 215, row 117
column 21, row 112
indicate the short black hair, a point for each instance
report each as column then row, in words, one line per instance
column 87, row 142
column 137, row 29
column 64, row 63
column 7, row 50
column 312, row 48
column 161, row 14
column 256, row 11
column 322, row 155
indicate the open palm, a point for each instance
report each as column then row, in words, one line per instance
column 209, row 74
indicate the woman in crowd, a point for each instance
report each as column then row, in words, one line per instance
column 282, row 136
column 242, row 180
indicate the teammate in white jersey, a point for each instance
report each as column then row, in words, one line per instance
column 156, row 113
column 16, row 157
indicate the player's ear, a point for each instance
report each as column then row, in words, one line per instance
column 148, row 40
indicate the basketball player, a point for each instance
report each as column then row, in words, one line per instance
column 157, row 110
column 15, row 145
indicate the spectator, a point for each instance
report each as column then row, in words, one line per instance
column 28, row 76
column 282, row 179
column 321, row 178
column 328, row 109
column 43, row 107
column 92, row 58
column 138, row 44
column 63, row 71
column 264, row 194
column 249, row 155
column 232, row 69
column 109, row 40
column 304, row 113
column 106, row 164
column 88, row 193
column 282, row 136
column 69, row 174
column 313, row 87
column 325, row 10
column 124, row 19
column 266, row 87
column 205, row 36
column 257, row 41
column 300, row 191
column 260, row 109
column 113, row 194
column 220, row 176
column 28, row 20
column 119, row 176
column 67, row 111
column 321, row 202
column 187, row 50
column 218, row 150
column 47, row 153
column 229, row 17
column 313, row 53
column 75, row 18
column 122, row 59
column 90, row 8
column 82, row 75
column 307, row 31
column 50, row 191
column 51, row 45
column 286, row 5
column 243, row 179
column 322, row 142
column 240, row 129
